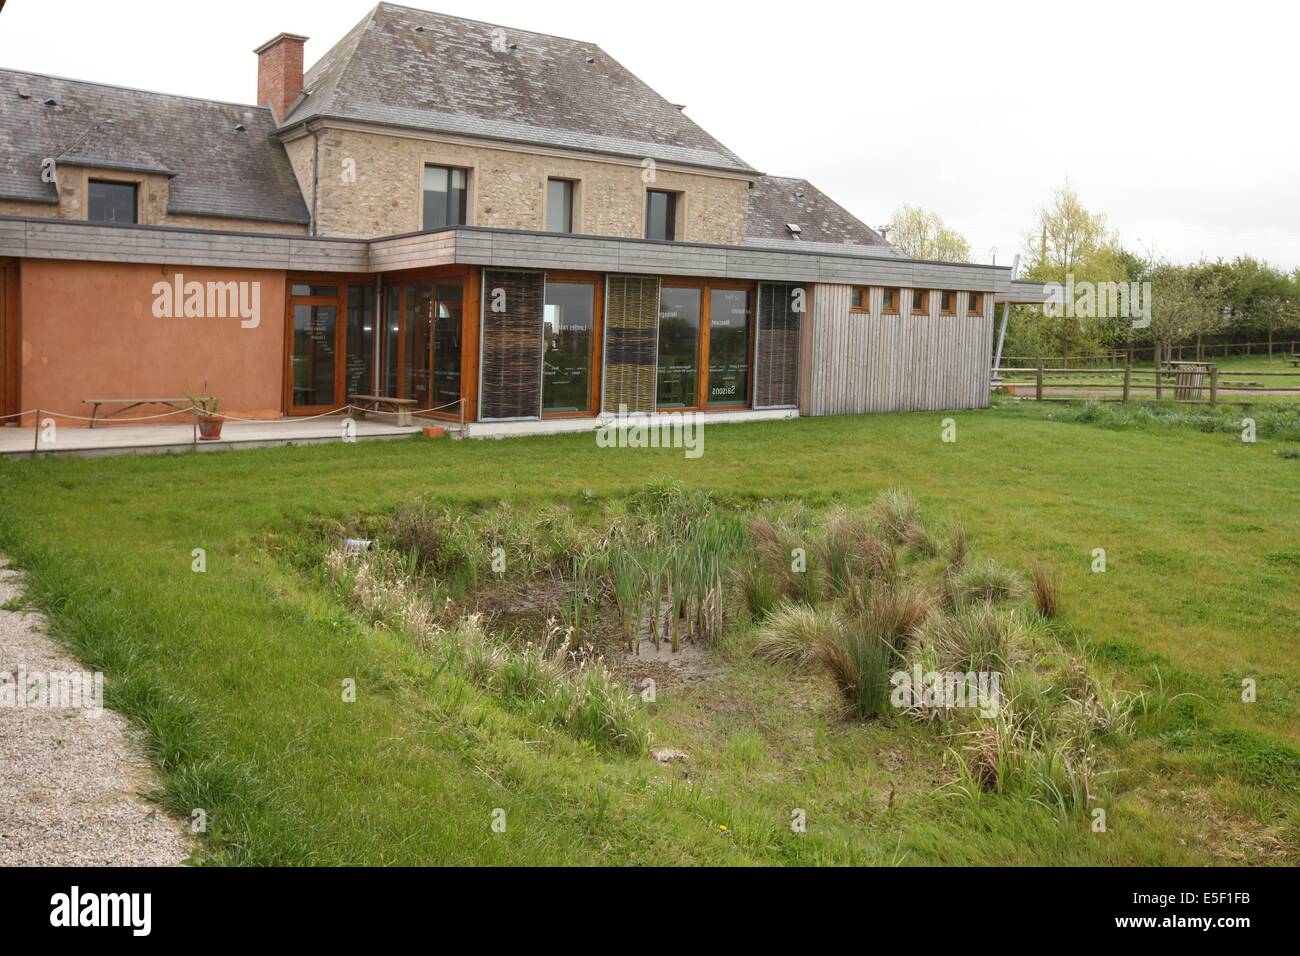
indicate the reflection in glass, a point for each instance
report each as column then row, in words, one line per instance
column 392, row 339
column 729, row 320
column 679, row 339
column 568, row 327
column 419, row 340
column 446, row 349
column 314, row 328
column 361, row 340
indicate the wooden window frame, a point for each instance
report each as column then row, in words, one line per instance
column 706, row 288
column 884, row 305
column 975, row 299
column 951, row 309
column 924, row 308
column 597, row 359
column 865, row 307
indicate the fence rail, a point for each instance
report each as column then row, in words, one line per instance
column 1280, row 348
column 1194, row 383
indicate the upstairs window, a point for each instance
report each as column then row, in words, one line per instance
column 559, row 205
column 660, row 215
column 947, row 303
column 920, row 302
column 446, row 191
column 975, row 303
column 859, row 301
column 889, row 301
column 112, row 202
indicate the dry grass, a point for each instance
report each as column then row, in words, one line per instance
column 790, row 634
column 1045, row 588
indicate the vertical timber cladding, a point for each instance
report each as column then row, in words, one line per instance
column 510, row 382
column 780, row 307
column 877, row 362
column 631, row 342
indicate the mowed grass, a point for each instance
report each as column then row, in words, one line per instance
column 237, row 674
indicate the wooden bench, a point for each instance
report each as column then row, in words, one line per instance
column 401, row 407
column 180, row 404
column 1295, row 361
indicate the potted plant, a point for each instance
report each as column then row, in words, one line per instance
column 205, row 410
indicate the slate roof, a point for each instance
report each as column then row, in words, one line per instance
column 775, row 201
column 421, row 70
column 216, row 170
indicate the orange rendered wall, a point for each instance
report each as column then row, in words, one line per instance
column 89, row 331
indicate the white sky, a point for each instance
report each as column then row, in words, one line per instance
column 1175, row 119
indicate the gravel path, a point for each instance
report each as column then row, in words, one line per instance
column 70, row 783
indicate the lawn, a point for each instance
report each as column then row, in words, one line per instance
column 236, row 673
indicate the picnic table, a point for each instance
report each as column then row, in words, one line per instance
column 401, row 407
column 180, row 404
column 1295, row 361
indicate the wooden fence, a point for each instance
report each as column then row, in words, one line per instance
column 1280, row 349
column 1190, row 383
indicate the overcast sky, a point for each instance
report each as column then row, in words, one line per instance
column 1177, row 120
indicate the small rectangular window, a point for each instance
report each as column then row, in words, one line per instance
column 920, row 302
column 112, row 202
column 975, row 303
column 859, row 300
column 889, row 301
column 660, row 215
column 446, row 192
column 559, row 205
column 947, row 303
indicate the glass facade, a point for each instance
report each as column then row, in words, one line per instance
column 730, row 318
column 569, row 327
column 315, row 330
column 679, row 347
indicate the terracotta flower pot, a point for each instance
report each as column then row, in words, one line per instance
column 434, row 431
column 210, row 427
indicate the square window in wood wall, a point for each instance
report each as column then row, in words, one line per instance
column 889, row 299
column 947, row 303
column 920, row 302
column 859, row 300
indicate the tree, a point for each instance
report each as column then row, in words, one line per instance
column 924, row 235
column 1067, row 239
column 1186, row 301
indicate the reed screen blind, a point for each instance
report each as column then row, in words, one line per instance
column 511, row 371
column 778, row 345
column 631, row 341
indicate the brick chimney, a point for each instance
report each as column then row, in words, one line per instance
column 279, row 73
